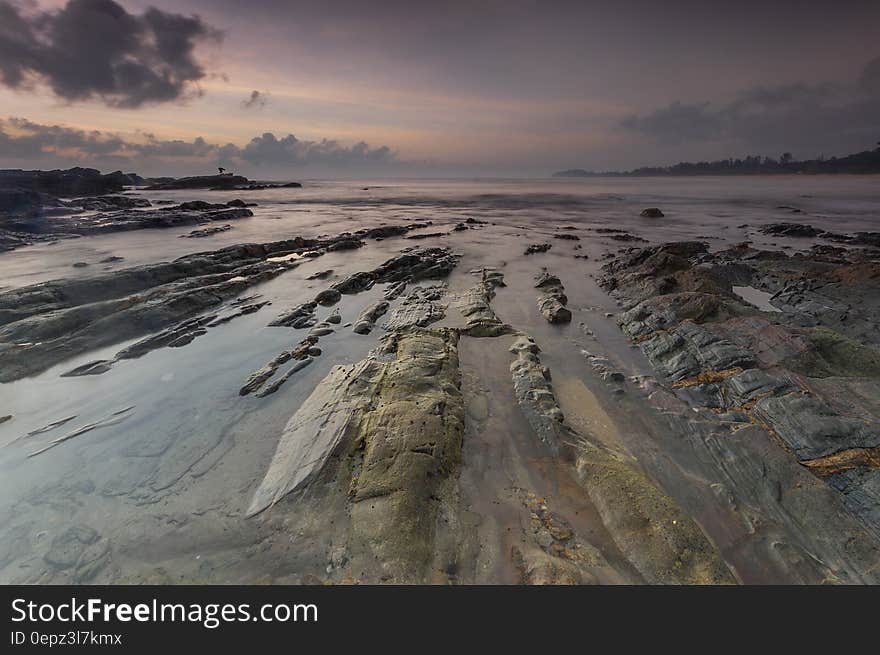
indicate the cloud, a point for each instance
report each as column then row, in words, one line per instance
column 21, row 139
column 256, row 99
column 812, row 117
column 869, row 82
column 677, row 123
column 290, row 151
column 96, row 49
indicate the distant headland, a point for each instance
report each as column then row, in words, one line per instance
column 865, row 162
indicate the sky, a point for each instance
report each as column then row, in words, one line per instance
column 358, row 88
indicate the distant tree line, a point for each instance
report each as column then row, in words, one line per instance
column 867, row 161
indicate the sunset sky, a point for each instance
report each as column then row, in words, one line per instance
column 484, row 87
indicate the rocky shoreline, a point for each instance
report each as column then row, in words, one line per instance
column 447, row 414
column 45, row 206
column 807, row 371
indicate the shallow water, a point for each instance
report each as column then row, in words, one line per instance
column 756, row 297
column 711, row 207
column 167, row 486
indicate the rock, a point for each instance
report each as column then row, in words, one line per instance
column 419, row 308
column 626, row 237
column 297, row 366
column 426, row 235
column 223, row 181
column 206, row 232
column 3, row 419
column 64, row 183
column 258, row 378
column 655, row 535
column 534, row 394
column 802, row 377
column 394, row 290
column 328, row 297
column 790, row 230
column 355, row 283
column 405, row 419
column 294, row 318
column 110, row 203
column 320, row 275
column 552, row 303
column 91, row 368
column 366, row 320
column 259, row 187
column 811, row 428
column 537, row 248
column 345, row 244
column 383, row 438
column 474, row 305
column 418, row 264
column 567, row 237
column 651, row 212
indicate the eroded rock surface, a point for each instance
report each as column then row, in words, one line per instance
column 799, row 373
column 552, row 302
column 655, row 534
column 397, row 426
column 475, row 305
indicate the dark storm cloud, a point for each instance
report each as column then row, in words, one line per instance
column 95, row 48
column 805, row 116
column 26, row 140
column 256, row 100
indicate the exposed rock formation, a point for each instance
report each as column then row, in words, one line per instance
column 419, row 308
column 474, row 305
column 657, row 537
column 223, row 181
column 64, row 183
column 552, row 303
column 804, row 375
column 537, row 248
column 368, row 317
column 397, row 427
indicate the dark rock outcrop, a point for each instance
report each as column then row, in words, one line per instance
column 536, row 248
column 804, row 376
column 64, row 183
column 223, row 181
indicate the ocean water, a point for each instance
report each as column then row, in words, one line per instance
column 693, row 206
